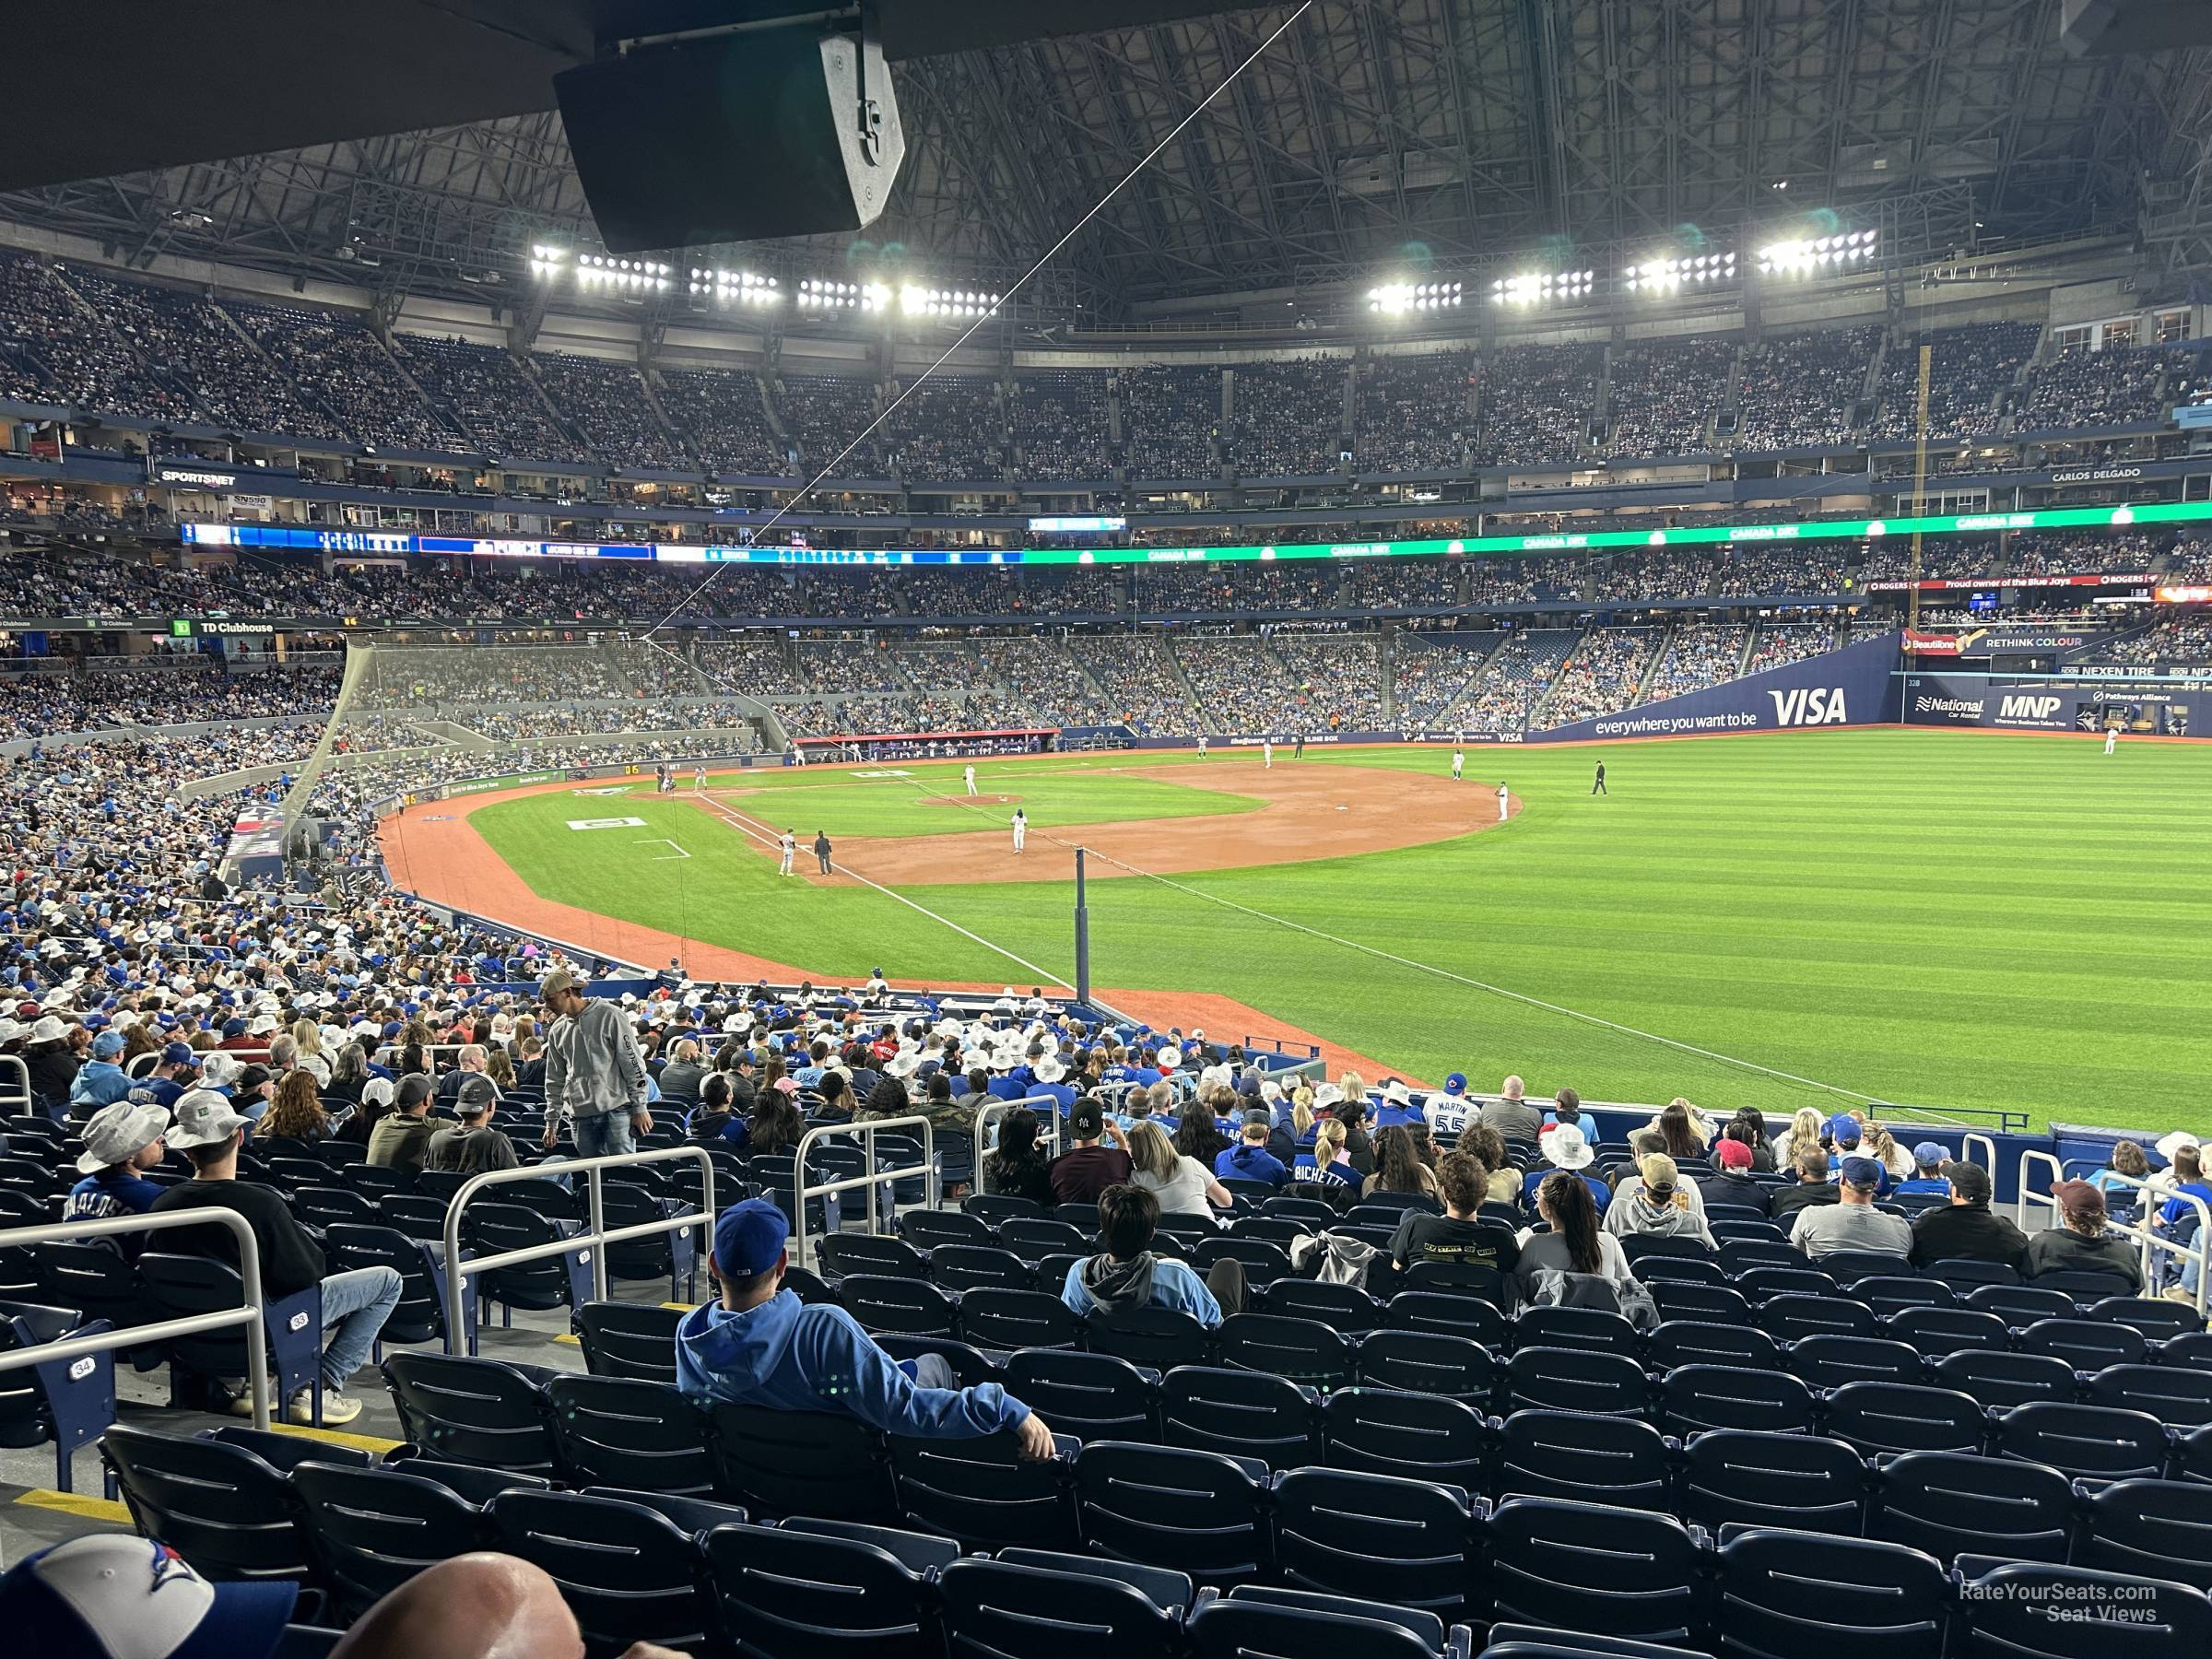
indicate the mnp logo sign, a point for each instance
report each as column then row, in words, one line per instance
column 2035, row 710
column 1809, row 706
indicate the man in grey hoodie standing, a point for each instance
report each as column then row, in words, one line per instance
column 593, row 1070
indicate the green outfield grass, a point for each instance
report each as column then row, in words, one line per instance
column 1946, row 919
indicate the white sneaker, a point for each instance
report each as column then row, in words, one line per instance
column 338, row 1408
column 242, row 1403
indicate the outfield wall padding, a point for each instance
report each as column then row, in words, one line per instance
column 2157, row 708
column 1855, row 686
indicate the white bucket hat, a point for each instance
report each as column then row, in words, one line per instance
column 204, row 1119
column 1395, row 1092
column 115, row 1132
column 1568, row 1149
column 1169, row 1058
column 902, row 1064
column 1049, row 1070
column 48, row 1030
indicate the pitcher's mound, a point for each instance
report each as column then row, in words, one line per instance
column 971, row 800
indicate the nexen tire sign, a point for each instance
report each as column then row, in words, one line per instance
column 1855, row 686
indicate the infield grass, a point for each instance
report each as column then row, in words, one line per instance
column 1932, row 918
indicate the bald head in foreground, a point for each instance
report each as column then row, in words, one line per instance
column 475, row 1606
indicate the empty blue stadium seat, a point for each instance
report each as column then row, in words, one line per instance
column 1608, row 1460
column 1750, row 1477
column 1239, row 1414
column 1585, row 1567
column 1784, row 1595
column 623, row 1431
column 2152, row 1528
column 1002, row 1609
column 1418, row 1546
column 978, row 1493
column 2005, row 1613
column 1168, row 1506
column 1945, row 1502
column 787, row 1594
column 2098, row 1442
column 1697, row 1398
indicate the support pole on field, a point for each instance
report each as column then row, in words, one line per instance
column 1082, row 935
column 1919, row 485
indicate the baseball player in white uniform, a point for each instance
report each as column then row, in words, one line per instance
column 1021, row 828
column 2111, row 738
column 1266, row 753
column 1459, row 761
column 968, row 772
column 1501, row 800
column 788, row 845
column 1202, row 745
column 699, row 780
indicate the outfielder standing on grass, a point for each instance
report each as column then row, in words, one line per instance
column 2111, row 738
column 1021, row 828
column 968, row 772
column 1459, row 761
column 787, row 844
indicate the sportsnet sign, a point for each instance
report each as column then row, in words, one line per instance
column 1851, row 687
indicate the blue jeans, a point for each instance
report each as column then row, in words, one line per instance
column 355, row 1306
column 604, row 1134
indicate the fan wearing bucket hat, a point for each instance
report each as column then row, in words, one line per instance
column 110, row 1595
column 1397, row 1107
column 2081, row 1243
column 1568, row 1150
column 53, row 1065
column 757, row 1344
column 355, row 1303
column 121, row 1141
column 1853, row 1222
column 100, row 1081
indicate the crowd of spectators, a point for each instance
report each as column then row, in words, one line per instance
column 1401, row 583
column 825, row 416
column 1525, row 581
column 2068, row 553
column 55, row 349
column 1780, row 643
column 1431, row 674
column 424, row 679
column 1662, row 394
column 1242, row 686
column 582, row 722
column 1290, row 418
column 187, row 337
column 37, row 705
column 1170, row 416
column 846, row 665
column 1137, row 673
column 1602, row 675
column 491, row 395
column 1513, row 680
column 336, row 360
column 1538, row 404
column 949, row 430
column 1340, row 681
column 1754, row 570
column 1940, row 557
column 1696, row 655
column 605, row 403
column 1803, row 391
column 1664, row 574
column 2116, row 386
column 1412, row 411
column 1970, row 368
column 1062, row 425
column 723, row 413
column 1048, row 681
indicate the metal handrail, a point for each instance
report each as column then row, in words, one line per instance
column 597, row 1237
column 988, row 1116
column 801, row 1191
column 8, row 1097
column 248, row 1314
column 2147, row 1237
column 1969, row 1141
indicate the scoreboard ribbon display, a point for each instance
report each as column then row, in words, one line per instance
column 696, row 553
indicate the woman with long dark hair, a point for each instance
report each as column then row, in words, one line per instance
column 1399, row 1171
column 1575, row 1243
column 1015, row 1167
column 775, row 1125
column 1679, row 1130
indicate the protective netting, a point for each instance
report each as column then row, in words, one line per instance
column 413, row 710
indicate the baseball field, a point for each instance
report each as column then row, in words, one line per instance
column 1936, row 919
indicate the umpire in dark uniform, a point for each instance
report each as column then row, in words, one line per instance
column 1599, row 786
column 822, row 849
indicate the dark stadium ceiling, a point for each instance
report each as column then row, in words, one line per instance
column 1374, row 130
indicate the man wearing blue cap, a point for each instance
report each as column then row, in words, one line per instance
column 1928, row 1159
column 1853, row 1222
column 100, row 1081
column 758, row 1345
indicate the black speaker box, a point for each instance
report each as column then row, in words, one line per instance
column 778, row 132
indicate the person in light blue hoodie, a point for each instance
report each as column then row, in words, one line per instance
column 758, row 1345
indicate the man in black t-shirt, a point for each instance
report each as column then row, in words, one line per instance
column 355, row 1304
column 1456, row 1235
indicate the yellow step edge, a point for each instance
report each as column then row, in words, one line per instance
column 569, row 1340
column 338, row 1437
column 81, row 1504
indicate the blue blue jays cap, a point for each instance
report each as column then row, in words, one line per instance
column 748, row 1237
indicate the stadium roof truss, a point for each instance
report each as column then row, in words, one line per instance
column 1376, row 135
